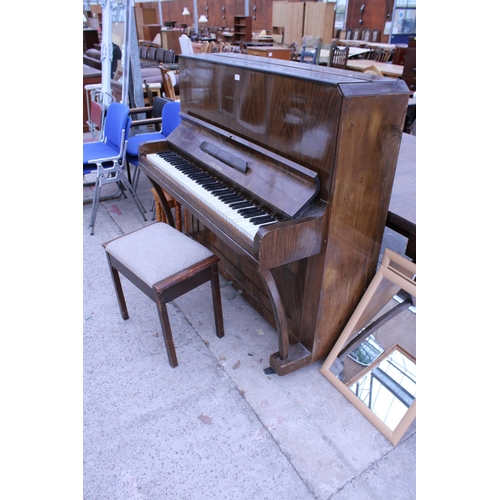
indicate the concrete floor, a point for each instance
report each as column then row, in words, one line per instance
column 217, row 426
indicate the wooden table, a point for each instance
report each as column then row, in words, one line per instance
column 402, row 216
column 371, row 45
column 353, row 52
column 273, row 52
column 388, row 69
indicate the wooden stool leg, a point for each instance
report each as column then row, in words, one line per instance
column 219, row 323
column 118, row 290
column 167, row 332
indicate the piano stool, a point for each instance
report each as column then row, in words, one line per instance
column 161, row 216
column 164, row 264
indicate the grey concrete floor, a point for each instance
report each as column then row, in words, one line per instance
column 217, row 426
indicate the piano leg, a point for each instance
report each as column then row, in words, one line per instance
column 288, row 358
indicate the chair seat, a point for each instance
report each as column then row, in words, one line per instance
column 146, row 252
column 97, row 150
column 134, row 142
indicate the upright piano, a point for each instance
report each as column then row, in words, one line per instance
column 285, row 171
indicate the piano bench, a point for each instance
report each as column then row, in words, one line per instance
column 164, row 264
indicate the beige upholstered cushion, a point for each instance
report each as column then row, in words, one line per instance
column 156, row 252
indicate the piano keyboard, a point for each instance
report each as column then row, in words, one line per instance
column 239, row 212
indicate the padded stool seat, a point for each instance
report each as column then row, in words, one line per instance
column 164, row 264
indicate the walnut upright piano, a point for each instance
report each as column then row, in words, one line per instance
column 286, row 170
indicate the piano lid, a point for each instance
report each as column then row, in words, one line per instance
column 280, row 184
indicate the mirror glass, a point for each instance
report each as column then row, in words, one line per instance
column 381, row 369
column 373, row 363
column 389, row 389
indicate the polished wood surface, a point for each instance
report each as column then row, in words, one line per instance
column 305, row 126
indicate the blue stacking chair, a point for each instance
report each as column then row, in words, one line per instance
column 170, row 119
column 106, row 157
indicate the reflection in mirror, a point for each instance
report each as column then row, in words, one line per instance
column 390, row 388
column 373, row 363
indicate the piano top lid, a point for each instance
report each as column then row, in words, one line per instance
column 317, row 73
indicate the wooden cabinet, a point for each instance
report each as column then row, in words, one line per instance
column 150, row 31
column 90, row 38
column 90, row 76
column 242, row 29
column 319, row 20
column 170, row 39
column 294, row 22
column 410, row 66
column 305, row 19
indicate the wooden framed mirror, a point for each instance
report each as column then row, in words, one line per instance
column 373, row 363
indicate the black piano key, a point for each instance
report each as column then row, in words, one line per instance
column 262, row 220
column 241, row 204
column 251, row 212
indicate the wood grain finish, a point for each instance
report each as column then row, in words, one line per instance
column 306, row 274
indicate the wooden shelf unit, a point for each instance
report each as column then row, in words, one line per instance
column 242, row 29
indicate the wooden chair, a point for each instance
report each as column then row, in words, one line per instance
column 294, row 52
column 381, row 55
column 338, row 56
column 164, row 264
column 168, row 86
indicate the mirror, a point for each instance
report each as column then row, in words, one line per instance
column 373, row 363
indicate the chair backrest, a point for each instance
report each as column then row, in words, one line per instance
column 167, row 84
column 169, row 56
column 294, row 51
column 170, row 117
column 143, row 54
column 322, row 47
column 339, row 56
column 186, row 45
column 308, row 54
column 160, row 53
column 151, row 53
column 117, row 125
column 204, row 47
column 311, row 41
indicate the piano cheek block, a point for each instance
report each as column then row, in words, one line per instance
column 289, row 242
